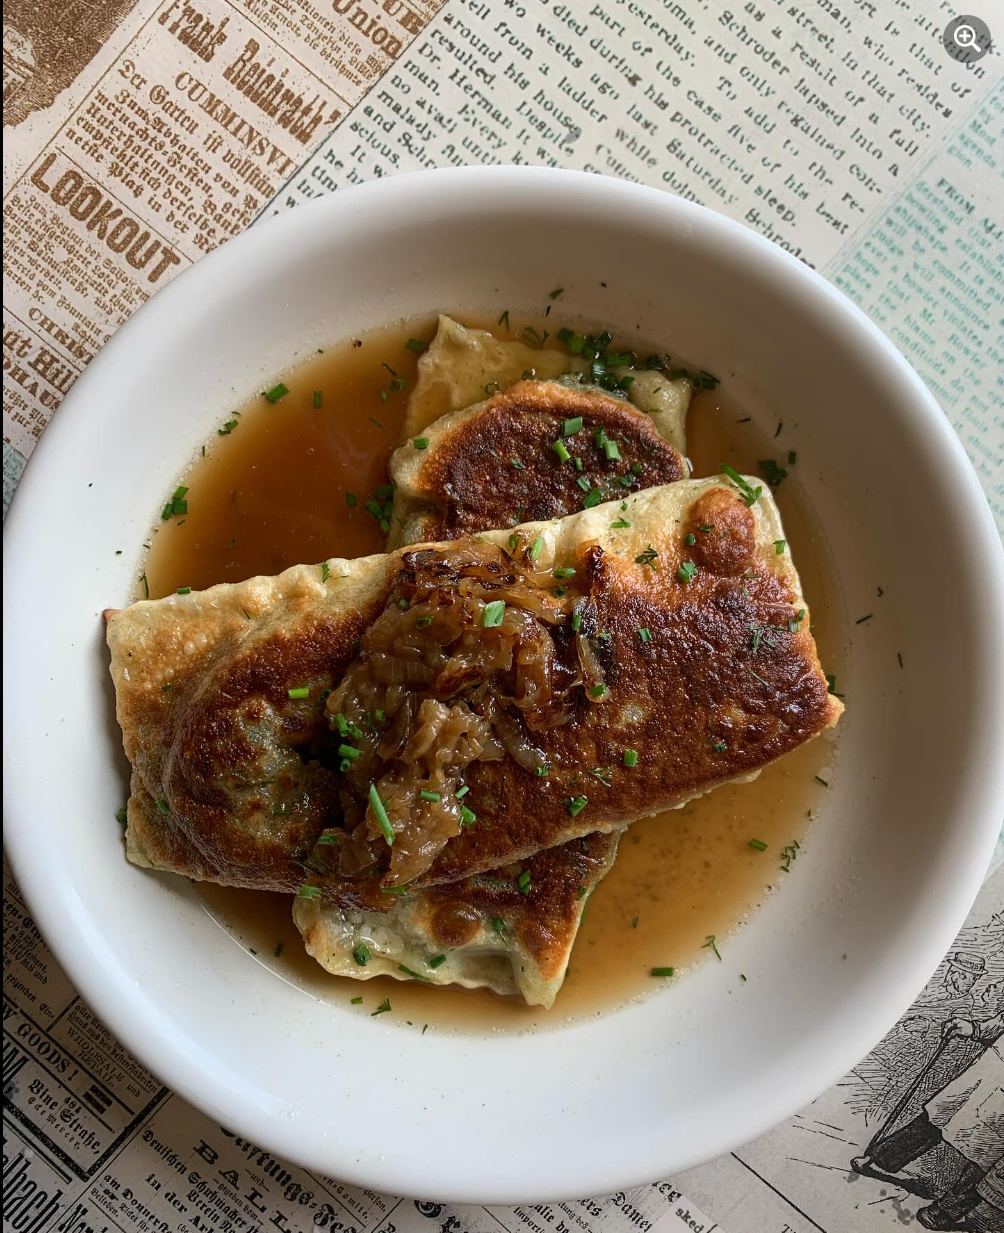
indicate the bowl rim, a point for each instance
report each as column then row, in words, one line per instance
column 87, row 967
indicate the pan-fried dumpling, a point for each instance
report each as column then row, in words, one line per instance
column 503, row 461
column 460, row 363
column 515, row 667
column 486, row 931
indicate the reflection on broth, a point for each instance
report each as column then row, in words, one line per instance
column 289, row 480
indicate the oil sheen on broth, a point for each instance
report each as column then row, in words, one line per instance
column 287, row 482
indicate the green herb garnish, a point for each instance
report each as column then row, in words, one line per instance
column 687, row 571
column 645, row 634
column 661, row 971
column 597, row 691
column 308, row 892
column 301, row 691
column 416, row 345
column 630, row 757
column 426, row 795
column 572, row 426
column 710, row 942
column 560, row 450
column 523, row 882
column 382, row 1008
column 380, row 813
column 276, row 392
column 362, row 955
column 758, row 845
column 648, row 557
column 493, row 614
column 575, row 804
column 592, row 497
column 750, row 494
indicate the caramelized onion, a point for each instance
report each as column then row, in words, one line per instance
column 445, row 677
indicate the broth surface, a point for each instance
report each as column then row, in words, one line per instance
column 287, row 483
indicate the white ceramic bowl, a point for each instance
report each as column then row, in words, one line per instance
column 831, row 962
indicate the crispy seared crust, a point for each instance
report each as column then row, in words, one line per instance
column 220, row 747
column 466, row 480
column 525, row 952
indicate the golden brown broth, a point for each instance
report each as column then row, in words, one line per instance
column 272, row 494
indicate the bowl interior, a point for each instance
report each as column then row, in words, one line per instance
column 889, row 870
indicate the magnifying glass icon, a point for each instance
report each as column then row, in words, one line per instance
column 965, row 36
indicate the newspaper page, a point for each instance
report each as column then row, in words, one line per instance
column 141, row 133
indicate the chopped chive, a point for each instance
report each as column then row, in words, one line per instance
column 750, row 494
column 542, row 770
column 719, row 746
column 630, row 757
column 634, row 922
column 350, row 498
column 576, row 621
column 308, row 892
column 690, row 539
column 597, row 691
column 576, row 804
column 408, row 972
column 499, row 926
column 899, row 656
column 227, row 428
column 779, row 546
column 276, row 392
column 831, row 684
column 493, row 614
column 461, row 792
column 436, row 960
column 583, row 481
column 792, row 458
column 758, row 845
column 619, row 524
column 416, row 345
column 380, row 813
column 582, row 892
column 515, row 462
column 421, row 443
column 492, row 387
column 772, row 473
column 188, row 591
column 318, row 399
column 162, row 806
column 467, row 816
column 426, row 795
column 375, row 421
column 648, row 557
column 687, row 571
column 301, row 691
column 859, row 621
column 513, row 542
column 329, row 838
column 564, row 571
column 560, row 450
column 350, row 752
column 572, row 426
column 578, row 464
column 710, row 942
column 645, row 634
column 553, row 295
column 593, row 497
column 423, row 622
column 611, row 450
column 705, row 528
column 660, row 971
column 382, row 1008
column 536, row 548
column 504, row 319
column 777, row 431
column 356, row 1001
column 122, row 815
column 361, row 954
column 523, row 882
column 820, row 780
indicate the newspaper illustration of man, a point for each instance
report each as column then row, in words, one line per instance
column 966, row 1113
